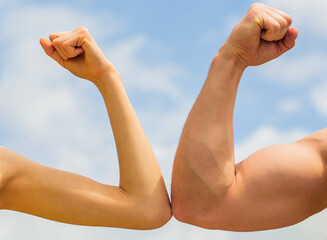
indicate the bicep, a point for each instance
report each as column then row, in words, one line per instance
column 277, row 186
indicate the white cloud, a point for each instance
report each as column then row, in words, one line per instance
column 138, row 75
column 318, row 97
column 33, row 22
column 314, row 227
column 296, row 70
column 163, row 127
column 289, row 106
column 263, row 137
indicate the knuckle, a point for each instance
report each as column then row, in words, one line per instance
column 54, row 35
column 256, row 5
column 256, row 9
column 289, row 19
column 275, row 27
column 82, row 29
column 252, row 13
column 284, row 24
column 56, row 41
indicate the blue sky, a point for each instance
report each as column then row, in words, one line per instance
column 163, row 50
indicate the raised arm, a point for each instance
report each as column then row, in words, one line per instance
column 275, row 187
column 139, row 202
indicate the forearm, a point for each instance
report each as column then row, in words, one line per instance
column 204, row 161
column 140, row 175
column 208, row 133
column 54, row 194
column 61, row 196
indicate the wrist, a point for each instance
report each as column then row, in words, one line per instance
column 225, row 69
column 226, row 55
column 107, row 78
column 226, row 65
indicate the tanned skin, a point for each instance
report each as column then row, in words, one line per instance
column 277, row 186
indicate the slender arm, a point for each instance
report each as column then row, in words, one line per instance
column 139, row 202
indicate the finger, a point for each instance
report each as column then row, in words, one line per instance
column 77, row 51
column 283, row 24
column 269, row 28
column 59, row 48
column 53, row 36
column 63, row 47
column 57, row 45
column 288, row 41
column 71, row 46
column 66, row 47
column 287, row 17
column 51, row 51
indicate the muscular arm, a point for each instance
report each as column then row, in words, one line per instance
column 275, row 187
column 139, row 202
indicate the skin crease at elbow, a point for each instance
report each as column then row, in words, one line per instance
column 275, row 187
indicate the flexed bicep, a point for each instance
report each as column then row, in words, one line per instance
column 277, row 186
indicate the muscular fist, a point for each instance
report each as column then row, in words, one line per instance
column 79, row 53
column 263, row 34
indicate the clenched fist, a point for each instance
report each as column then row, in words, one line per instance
column 78, row 52
column 263, row 34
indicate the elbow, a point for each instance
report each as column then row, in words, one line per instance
column 198, row 188
column 154, row 216
column 187, row 205
column 2, row 160
column 203, row 214
column 181, row 212
column 183, row 216
column 191, row 214
column 155, row 208
column 2, row 182
column 160, row 219
column 152, row 210
column 3, row 175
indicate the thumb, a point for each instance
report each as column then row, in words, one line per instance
column 288, row 41
column 51, row 51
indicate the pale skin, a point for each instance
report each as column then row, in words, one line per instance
column 139, row 202
column 277, row 186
